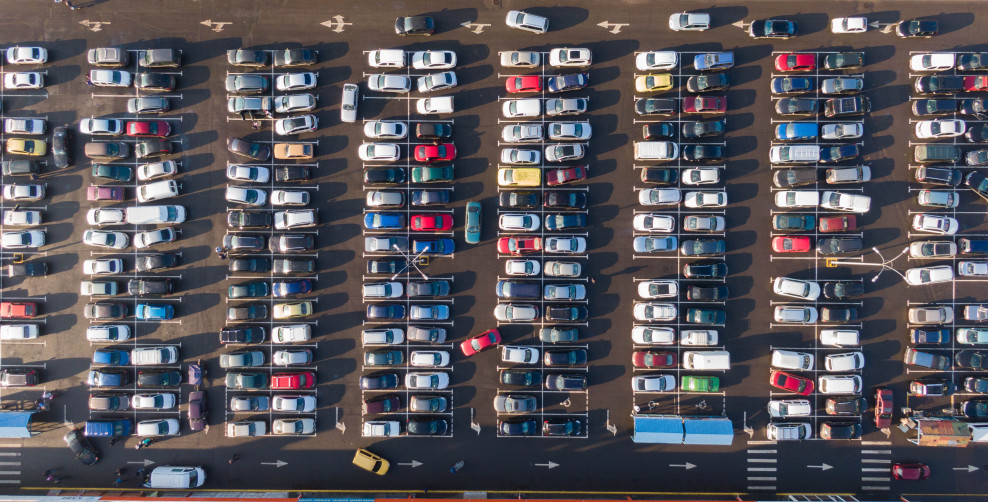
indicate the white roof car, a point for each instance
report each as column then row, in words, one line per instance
column 157, row 170
column 653, row 335
column 18, row 331
column 295, row 218
column 435, row 106
column 382, row 152
column 290, row 198
column 972, row 268
column 705, row 199
column 246, row 428
column 433, row 60
column 782, row 408
column 570, row 57
column 653, row 383
column 846, row 130
column 565, row 106
column 249, row 196
column 528, row 107
column 520, row 156
column 156, row 401
column 163, row 354
column 555, row 268
column 22, row 218
column 689, row 21
column 938, row 198
column 929, row 275
column 110, row 78
column 967, row 336
column 839, row 201
column 932, row 249
column 427, row 380
column 931, row 315
column 657, row 60
column 296, row 125
column 386, row 58
column 796, row 315
column 940, row 128
column 512, row 312
column 700, row 176
column 653, row 222
column 158, row 427
column 23, row 80
column 106, row 239
column 789, row 360
column 102, row 266
column 522, row 267
column 150, row 238
column 293, row 426
column 525, row 21
column 839, row 384
column 935, row 224
column 520, row 59
column 847, row 361
column 936, row 61
column 385, row 129
column 436, row 82
column 392, row 289
column 384, row 336
column 291, row 333
column 108, row 333
column 522, row 133
column 295, row 404
column 30, row 192
column 796, row 288
column 382, row 428
column 651, row 311
column 659, row 196
column 797, row 198
column 348, row 103
column 296, row 81
column 256, row 174
column 385, row 198
column 698, row 337
column 104, row 216
column 108, row 127
column 384, row 82
column 856, row 24
column 521, row 222
column 569, row 245
column 519, row 354
column 658, row 288
column 292, row 103
column 24, row 126
column 569, row 131
column 291, row 357
column 27, row 55
column 429, row 358
column 840, row 337
column 704, row 223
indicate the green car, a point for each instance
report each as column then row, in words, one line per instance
column 706, row 316
column 700, row 383
column 472, row 230
column 249, row 290
column 793, row 222
column 425, row 174
column 112, row 172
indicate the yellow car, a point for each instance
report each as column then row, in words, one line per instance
column 371, row 462
column 32, row 147
column 519, row 177
column 292, row 310
column 653, row 82
column 293, row 151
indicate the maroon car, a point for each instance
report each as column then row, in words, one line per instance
column 101, row 193
column 654, row 359
column 555, row 177
column 382, row 404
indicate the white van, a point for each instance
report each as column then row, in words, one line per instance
column 840, row 337
column 707, row 360
column 435, row 106
column 153, row 215
column 839, row 384
column 157, row 190
column 656, row 150
column 176, row 476
column 794, row 154
column 386, row 58
column 979, row 432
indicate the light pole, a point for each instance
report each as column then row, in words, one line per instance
column 883, row 266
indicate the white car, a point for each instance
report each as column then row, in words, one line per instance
column 847, row 361
column 565, row 106
column 570, row 131
column 653, row 383
column 296, row 125
column 108, row 333
column 568, row 245
column 653, row 335
column 519, row 354
column 23, row 80
column 294, row 404
column 110, row 78
column 528, row 107
column 562, row 152
column 790, row 360
column 392, row 289
column 698, row 337
column 689, row 21
column 379, row 152
column 19, row 331
column 935, row 61
column 22, row 218
column 246, row 428
column 157, row 170
column 856, row 24
column 782, row 408
column 290, row 198
column 387, row 58
column 524, row 21
column 296, row 81
column 658, row 288
column 966, row 336
column 946, row 199
column 150, row 238
column 293, row 426
column 526, row 268
column 22, row 239
column 385, row 82
column 291, row 333
column 659, row 196
column 564, row 292
column 291, row 357
column 429, row 358
column 704, row 223
column 105, row 239
column 25, row 126
column 23, row 193
column 972, row 268
column 435, row 106
column 251, row 173
column 101, row 127
column 385, row 129
column 570, row 57
column 555, row 268
column 512, row 312
column 159, row 427
column 27, row 55
column 156, row 401
column 930, row 315
column 293, row 103
column 932, row 249
column 796, row 288
column 705, row 199
column 433, row 60
column 387, row 336
column 654, row 222
column 940, row 128
column 348, row 103
column 295, row 218
column 846, row 130
column 522, row 133
column 839, row 201
column 935, row 224
column 436, row 380
column 518, row 222
column 920, row 276
column 840, row 337
column 105, row 216
column 839, row 384
column 796, row 315
column 436, row 82
column 520, row 59
column 248, row 196
column 520, row 156
column 102, row 266
column 651, row 311
column 701, row 176
column 657, row 60
column 797, row 198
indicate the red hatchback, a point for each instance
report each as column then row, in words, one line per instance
column 798, row 244
column 974, row 84
column 795, row 62
column 883, row 408
column 555, row 177
column 910, row 472
column 481, row 342
column 148, row 129
column 653, row 359
column 790, row 382
column 302, row 380
column 431, row 222
column 519, row 245
column 706, row 104
column 435, row 153
column 99, row 193
column 838, row 223
column 524, row 83
column 18, row 310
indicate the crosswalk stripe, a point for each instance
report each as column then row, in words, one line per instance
column 762, row 469
column 10, row 481
column 766, row 478
column 7, row 454
column 876, row 461
column 866, row 478
column 877, row 452
column 763, row 460
column 874, row 469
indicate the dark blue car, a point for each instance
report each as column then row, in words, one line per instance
column 384, row 221
column 289, row 288
column 433, row 246
column 111, row 357
column 791, row 85
column 385, row 311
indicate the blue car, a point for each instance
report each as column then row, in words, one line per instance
column 472, row 228
column 791, row 85
column 150, row 312
column 433, row 246
column 385, row 311
column 289, row 288
column 384, row 221
column 111, row 357
column 796, row 131
column 713, row 61
column 429, row 312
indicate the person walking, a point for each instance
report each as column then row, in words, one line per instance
column 141, row 472
column 117, row 482
column 120, row 472
column 48, row 474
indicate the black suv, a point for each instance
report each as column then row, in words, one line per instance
column 519, row 200
column 292, row 173
column 294, row 266
column 141, row 287
column 565, row 200
column 656, row 106
column 434, row 131
column 843, row 60
column 248, row 219
column 785, row 178
column 927, row 107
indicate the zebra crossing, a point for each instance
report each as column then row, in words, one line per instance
column 762, row 469
column 10, row 465
column 876, row 466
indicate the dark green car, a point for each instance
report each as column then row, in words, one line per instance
column 384, row 358
column 706, row 316
column 472, row 229
column 112, row 172
column 793, row 222
column 425, row 174
column 692, row 383
column 249, row 290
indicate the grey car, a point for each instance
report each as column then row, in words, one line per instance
column 242, row 359
column 249, row 403
column 427, row 404
column 148, row 104
column 515, row 403
column 247, row 84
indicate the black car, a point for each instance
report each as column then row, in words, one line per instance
column 415, row 25
column 708, row 83
column 974, row 107
column 36, row 268
column 565, row 357
column 378, row 381
column 522, row 378
column 519, row 200
column 707, row 293
column 385, row 311
column 929, row 107
column 978, row 183
column 389, row 267
column 252, row 264
column 703, row 247
column 241, row 243
column 976, row 158
column 932, row 387
column 839, row 245
column 141, row 287
column 81, row 447
column 572, row 314
column 972, row 61
column 22, row 167
column 705, row 270
column 518, row 427
column 566, row 381
column 384, row 175
column 435, row 131
column 843, row 60
column 247, row 312
column 157, row 261
column 786, row 178
column 291, row 243
column 840, row 430
column 656, row 106
column 294, row 266
column 842, row 290
column 659, row 130
column 797, row 106
column 563, row 83
column 917, row 28
column 290, row 174
column 60, row 137
column 159, row 82
column 429, row 197
column 939, row 84
column 977, row 133
column 560, row 199
column 294, row 57
column 518, row 290
column 772, row 28
column 249, row 149
column 565, row 221
column 427, row 427
column 704, row 128
column 839, row 153
column 248, row 219
column 792, row 85
column 971, row 359
column 846, row 405
column 977, row 385
column 242, row 334
column 789, row 222
column 247, row 57
column 838, row 314
column 159, row 378
column 559, row 334
column 427, row 288
column 975, row 408
column 562, row 427
column 704, row 153
column 660, row 175
column 939, row 176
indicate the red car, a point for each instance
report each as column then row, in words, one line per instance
column 883, row 408
column 98, row 193
column 555, row 177
column 444, row 152
column 910, row 472
column 790, row 382
column 431, row 222
column 519, row 245
column 978, row 83
column 302, row 380
column 481, row 342
column 797, row 244
column 653, row 359
column 18, row 310
column 838, row 223
column 148, row 129
column 524, row 83
column 705, row 104
column 795, row 62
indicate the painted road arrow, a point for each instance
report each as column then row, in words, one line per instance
column 413, row 463
column 338, row 22
column 969, row 468
column 144, row 462
column 550, row 464
column 614, row 28
column 686, row 466
column 822, row 467
column 477, row 28
column 741, row 24
column 276, row 464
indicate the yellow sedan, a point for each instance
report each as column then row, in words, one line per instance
column 653, row 82
column 292, row 310
column 32, row 147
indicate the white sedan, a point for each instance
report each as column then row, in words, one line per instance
column 248, row 196
column 705, row 199
column 518, row 222
column 385, row 129
column 520, row 59
column 796, row 288
column 520, row 156
column 659, row 196
column 797, row 198
column 158, row 401
column 434, row 380
column 106, row 239
column 107, row 127
column 296, row 404
column 105, row 216
column 650, row 222
column 701, row 176
column 296, row 125
column 296, row 81
column 555, row 268
column 856, row 24
column 849, row 130
column 935, row 224
column 254, row 174
column 157, row 170
column 382, row 82
column 150, row 238
column 296, row 218
column 704, row 223
column 569, row 131
column 929, row 275
column 391, row 289
column 429, row 358
column 658, row 288
column 380, row 152
column 27, row 55
column 526, row 268
column 653, row 383
column 653, row 335
column 290, row 198
column 110, row 78
column 22, row 239
column 941, row 128
column 655, row 311
column 972, row 268
column 23, row 80
column 570, row 57
column 433, row 60
column 657, row 60
column 569, row 245
column 291, row 357
column 23, row 193
column 514, row 108
column 436, row 82
column 102, row 266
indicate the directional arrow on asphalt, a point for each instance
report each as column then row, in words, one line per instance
column 686, row 466
column 969, row 468
column 144, row 462
column 276, row 464
column 477, row 28
column 550, row 464
column 216, row 26
column 336, row 21
column 413, row 463
column 741, row 24
column 615, row 28
column 822, row 467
